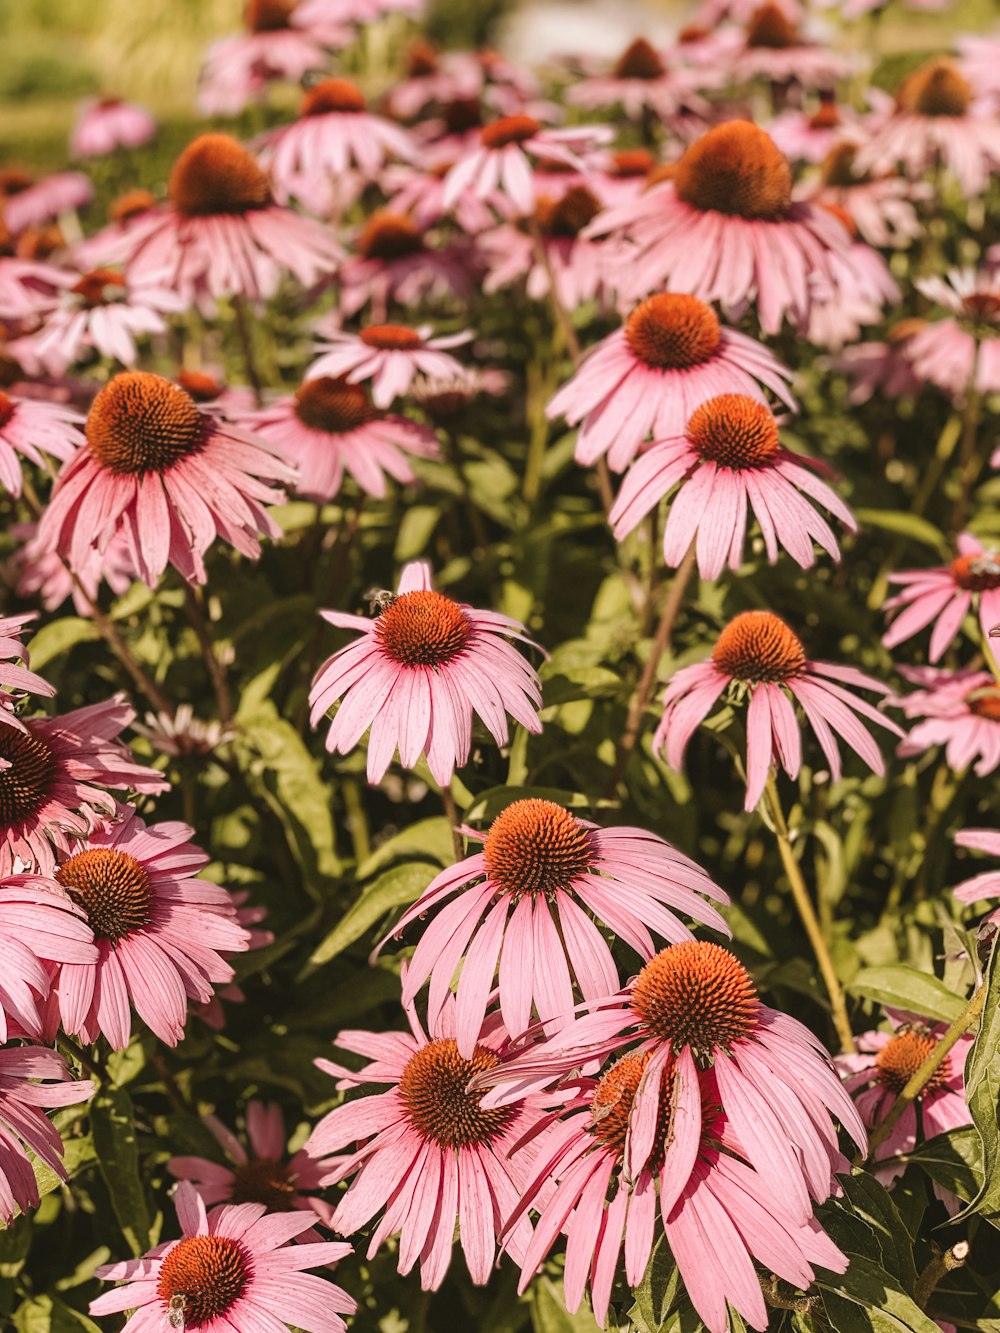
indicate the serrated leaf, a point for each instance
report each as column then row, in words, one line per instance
column 982, row 1092
column 903, row 987
column 398, row 887
column 112, row 1122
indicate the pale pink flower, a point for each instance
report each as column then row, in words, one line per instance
column 31, row 1080
column 718, row 1214
column 123, row 212
column 330, row 427
column 853, row 294
column 943, row 597
column 710, row 12
column 881, row 208
column 882, row 367
column 961, row 352
column 774, row 49
column 265, row 1174
column 641, row 81
column 525, row 906
column 33, row 428
column 37, row 927
column 416, row 675
column 425, row 1152
column 811, row 136
column 957, row 709
column 725, row 228
column 618, row 176
column 936, row 121
column 105, row 124
column 222, row 233
column 726, row 463
column 390, row 355
column 649, row 377
column 395, row 264
column 43, row 573
column 27, row 287
column 33, row 204
column 987, row 883
column 170, row 476
column 232, row 1269
column 418, row 192
column 183, row 736
column 979, row 61
column 160, row 931
column 16, row 680
column 766, row 662
column 312, row 12
column 443, row 398
column 434, row 77
column 854, row 9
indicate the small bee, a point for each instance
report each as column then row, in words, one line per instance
column 379, row 600
column 985, row 564
column 175, row 1311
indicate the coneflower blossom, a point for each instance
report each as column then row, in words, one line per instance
column 944, row 596
column 394, row 263
column 265, row 1174
column 766, row 662
column 805, row 136
column 987, row 883
column 160, row 931
column 640, row 80
column 123, row 212
column 330, row 427
column 694, row 1007
column 648, row 377
column 233, row 1268
column 727, row 461
column 170, row 476
column 32, row 428
column 30, row 204
column 525, row 906
column 717, row 1212
column 957, row 709
column 43, row 573
column 881, row 207
column 36, row 927
column 222, row 234
column 725, row 228
column 419, row 671
column 31, row 1079
column 425, row 1151
column 105, row 124
column 774, row 49
column 16, row 680
column 882, row 367
column 55, row 779
column 390, row 355
column 960, row 353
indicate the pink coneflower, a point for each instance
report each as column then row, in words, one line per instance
column 27, row 204
column 280, row 42
column 718, row 1213
column 31, row 1078
column 43, row 573
column 960, row 353
column 943, row 596
column 249, row 916
column 233, row 1268
column 334, row 132
column 36, row 928
column 726, row 462
column 775, row 50
column 15, row 678
column 618, row 176
column 539, row 859
column 419, row 193
column 810, row 136
column 183, row 736
column 123, row 212
column 432, row 76
column 426, row 1152
column 159, row 928
column 105, row 124
column 266, row 1174
column 765, row 661
column 725, row 228
column 884, row 1064
column 33, row 428
column 390, row 355
column 640, row 81
column 881, row 207
column 444, row 398
column 330, row 426
column 501, row 165
column 987, row 883
column 650, row 376
column 419, row 671
column 222, row 233
column 56, row 778
column 353, row 11
column 394, row 263
column 27, row 286
column 168, row 475
column 882, row 367
column 936, row 121
column 852, row 295
column 979, row 61
column 694, row 1006
column 957, row 709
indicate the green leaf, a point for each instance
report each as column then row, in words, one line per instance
column 58, row 637
column 903, row 987
column 657, row 1292
column 48, row 1314
column 427, row 838
column 113, row 1125
column 982, row 1092
column 78, row 1153
column 870, row 1202
column 396, row 888
column 954, row 1160
column 903, row 524
column 549, row 1313
column 866, row 1299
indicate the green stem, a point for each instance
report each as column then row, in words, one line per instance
column 454, row 820
column 197, row 613
column 970, row 459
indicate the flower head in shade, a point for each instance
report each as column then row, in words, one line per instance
column 330, row 427
column 810, row 136
column 774, row 49
column 416, row 675
column 123, row 212
column 31, row 428
column 765, row 661
column 960, row 353
column 28, row 203
column 883, row 367
column 160, row 931
column 957, row 709
column 525, row 906
column 640, row 81
column 31, row 1080
column 182, row 735
column 43, row 573
column 390, row 355
column 725, row 228
column 233, row 1268
column 944, row 596
column 694, row 1007
column 265, row 1174
column 56, row 777
column 719, row 1215
column 881, row 207
column 37, row 927
column 647, row 378
column 222, row 234
column 432, row 76
column 16, row 681
column 105, row 124
column 987, row 883
column 880, row 1070
column 394, row 263
column 936, row 120
column 727, row 461
column 170, row 476
column 499, row 168
column 425, row 1153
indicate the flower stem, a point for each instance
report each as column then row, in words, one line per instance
column 245, row 334
column 194, row 603
column 454, row 820
column 970, row 461
column 929, row 1068
column 942, row 1263
column 807, row 914
column 90, row 1063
